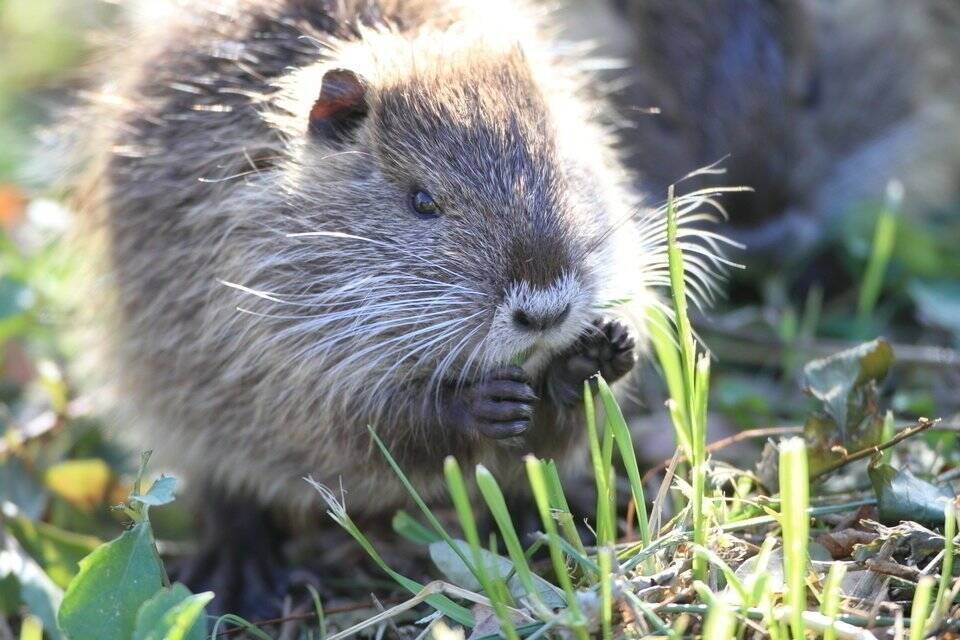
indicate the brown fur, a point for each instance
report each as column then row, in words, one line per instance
column 202, row 173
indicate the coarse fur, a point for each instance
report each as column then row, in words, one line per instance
column 816, row 104
column 267, row 289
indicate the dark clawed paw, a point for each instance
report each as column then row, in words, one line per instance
column 617, row 355
column 501, row 405
column 607, row 348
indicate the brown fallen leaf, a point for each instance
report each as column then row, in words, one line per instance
column 840, row 543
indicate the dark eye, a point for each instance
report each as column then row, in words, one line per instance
column 424, row 205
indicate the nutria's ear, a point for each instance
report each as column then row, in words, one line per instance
column 341, row 105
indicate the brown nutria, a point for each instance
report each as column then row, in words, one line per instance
column 402, row 198
column 815, row 104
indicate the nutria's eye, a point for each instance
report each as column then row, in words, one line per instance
column 424, row 205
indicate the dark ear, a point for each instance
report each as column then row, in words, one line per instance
column 341, row 105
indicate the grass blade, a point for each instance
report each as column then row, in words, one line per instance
column 795, row 499
column 884, row 237
column 538, row 484
column 493, row 586
column 338, row 512
column 493, row 496
column 920, row 611
column 424, row 509
column 830, row 605
column 621, row 435
column 946, row 570
column 605, row 534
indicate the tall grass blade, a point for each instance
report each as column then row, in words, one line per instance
column 830, row 604
column 621, row 435
column 944, row 599
column 795, row 499
column 493, row 496
column 920, row 612
column 605, row 524
column 884, row 237
column 424, row 509
column 493, row 585
column 538, row 485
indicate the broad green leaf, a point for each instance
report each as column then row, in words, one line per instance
column 172, row 614
column 160, row 492
column 114, row 581
column 59, row 552
column 851, row 419
column 903, row 496
column 452, row 566
column 832, row 379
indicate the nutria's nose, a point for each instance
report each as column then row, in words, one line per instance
column 530, row 320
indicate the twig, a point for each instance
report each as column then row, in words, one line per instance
column 922, row 425
column 723, row 443
column 309, row 615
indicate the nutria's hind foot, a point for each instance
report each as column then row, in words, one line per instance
column 241, row 560
column 608, row 348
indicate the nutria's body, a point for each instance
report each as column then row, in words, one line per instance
column 815, row 104
column 287, row 157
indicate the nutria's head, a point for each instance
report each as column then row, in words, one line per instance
column 444, row 210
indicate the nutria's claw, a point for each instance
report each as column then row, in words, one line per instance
column 616, row 354
column 499, row 406
column 607, row 348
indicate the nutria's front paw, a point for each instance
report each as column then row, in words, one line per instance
column 500, row 405
column 607, row 348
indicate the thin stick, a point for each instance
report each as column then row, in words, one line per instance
column 723, row 443
column 922, row 425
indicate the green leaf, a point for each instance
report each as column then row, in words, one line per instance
column 172, row 614
column 20, row 487
column 160, row 492
column 453, row 567
column 37, row 592
column 114, row 581
column 852, row 418
column 59, row 552
column 903, row 496
column 407, row 526
column 831, row 380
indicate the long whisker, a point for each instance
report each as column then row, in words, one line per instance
column 379, row 243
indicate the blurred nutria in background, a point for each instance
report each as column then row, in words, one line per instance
column 815, row 104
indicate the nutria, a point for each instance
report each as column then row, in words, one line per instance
column 318, row 216
column 815, row 104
